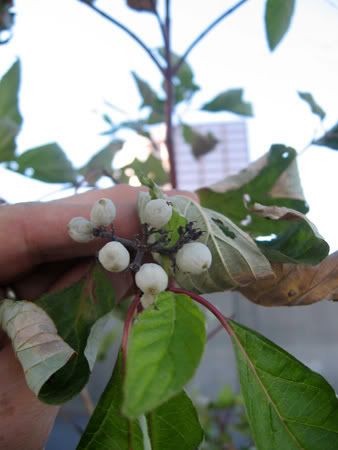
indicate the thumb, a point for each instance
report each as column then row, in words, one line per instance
column 192, row 195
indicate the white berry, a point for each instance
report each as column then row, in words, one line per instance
column 103, row 212
column 114, row 257
column 151, row 279
column 194, row 258
column 80, row 229
column 157, row 213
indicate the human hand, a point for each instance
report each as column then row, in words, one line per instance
column 38, row 256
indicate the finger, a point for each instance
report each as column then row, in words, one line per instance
column 31, row 286
column 57, row 276
column 25, row 421
column 192, row 195
column 36, row 233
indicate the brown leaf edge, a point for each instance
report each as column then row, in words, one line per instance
column 297, row 284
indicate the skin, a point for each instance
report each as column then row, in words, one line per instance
column 38, row 256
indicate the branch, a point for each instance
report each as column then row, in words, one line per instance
column 205, row 32
column 159, row 20
column 126, row 329
column 202, row 301
column 126, row 30
column 169, row 102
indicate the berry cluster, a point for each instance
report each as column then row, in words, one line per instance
column 187, row 255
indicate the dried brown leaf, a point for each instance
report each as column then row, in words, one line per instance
column 38, row 347
column 275, row 212
column 297, row 284
column 142, row 5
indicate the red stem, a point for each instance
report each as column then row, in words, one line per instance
column 169, row 103
column 202, row 301
column 126, row 328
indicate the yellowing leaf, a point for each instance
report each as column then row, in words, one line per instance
column 236, row 259
column 297, row 284
column 39, row 348
column 273, row 181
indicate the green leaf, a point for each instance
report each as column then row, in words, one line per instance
column 236, row 259
column 201, row 144
column 106, row 344
column 226, row 398
column 8, row 132
column 100, row 338
column 148, row 95
column 175, row 425
column 278, row 15
column 74, row 311
column 107, row 119
column 165, row 347
column 142, row 5
column 38, row 347
column 151, row 100
column 315, row 108
column 48, row 163
column 9, row 89
column 330, row 138
column 152, row 168
column 156, row 117
column 183, row 79
column 154, row 190
column 302, row 242
column 10, row 117
column 232, row 101
column 288, row 405
column 157, row 114
column 108, row 429
column 101, row 162
column 273, row 180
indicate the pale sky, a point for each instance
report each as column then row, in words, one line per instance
column 72, row 61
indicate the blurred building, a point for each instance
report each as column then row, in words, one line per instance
column 229, row 156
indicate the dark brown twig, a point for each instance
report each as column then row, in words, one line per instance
column 127, row 325
column 159, row 20
column 169, row 103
